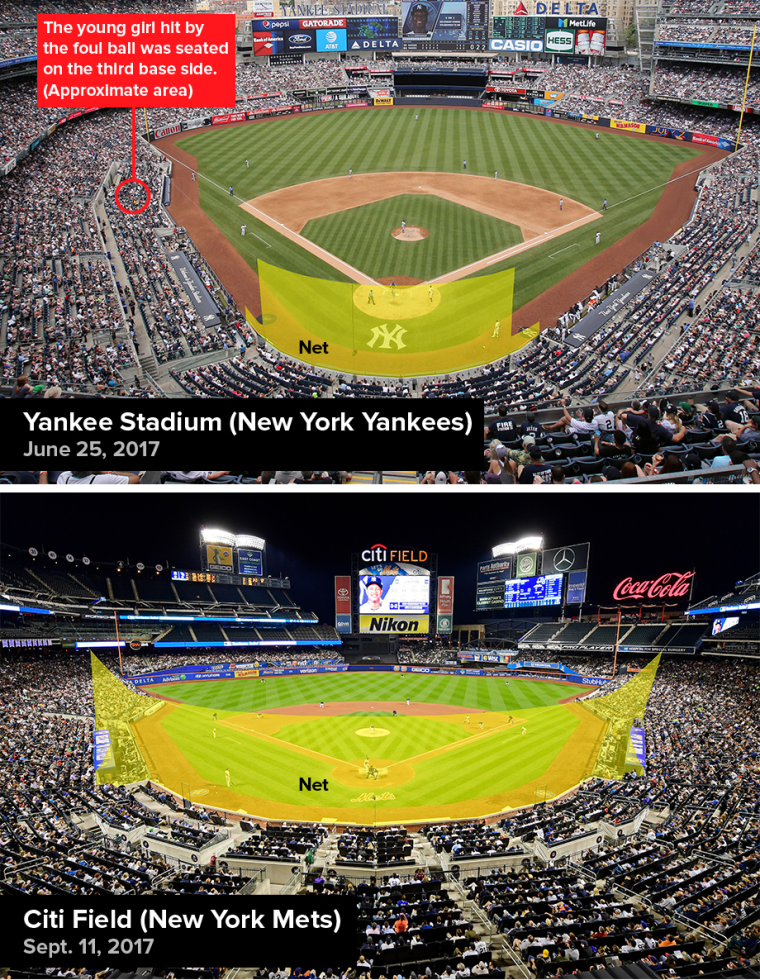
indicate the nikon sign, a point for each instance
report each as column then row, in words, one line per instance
column 394, row 624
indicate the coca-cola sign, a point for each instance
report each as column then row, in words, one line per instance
column 671, row 585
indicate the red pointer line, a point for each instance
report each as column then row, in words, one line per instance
column 134, row 144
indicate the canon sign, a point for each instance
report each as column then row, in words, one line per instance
column 671, row 585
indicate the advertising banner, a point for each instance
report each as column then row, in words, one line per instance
column 533, row 45
column 632, row 127
column 726, row 144
column 668, row 133
column 300, row 40
column 104, row 758
column 495, row 570
column 525, row 565
column 209, row 314
column 250, row 562
column 197, row 122
column 565, row 559
column 394, row 624
column 705, row 139
column 559, row 42
column 374, row 44
column 331, row 40
column 168, row 130
column 637, row 753
column 266, row 44
column 343, row 623
column 576, row 587
column 385, row 101
column 444, row 623
column 228, row 117
column 343, row 594
column 490, row 596
column 446, row 594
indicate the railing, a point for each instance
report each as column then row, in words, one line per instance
column 292, row 884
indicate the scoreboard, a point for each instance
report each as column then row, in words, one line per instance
column 541, row 590
column 519, row 28
column 445, row 25
column 222, row 578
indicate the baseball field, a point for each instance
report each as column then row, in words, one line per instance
column 349, row 748
column 371, row 197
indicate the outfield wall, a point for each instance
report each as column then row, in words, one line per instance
column 176, row 676
column 536, row 107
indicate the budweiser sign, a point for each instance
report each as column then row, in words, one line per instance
column 671, row 585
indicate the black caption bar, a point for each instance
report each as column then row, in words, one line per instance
column 116, row 434
column 179, row 931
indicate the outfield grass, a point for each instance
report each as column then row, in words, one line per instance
column 488, row 694
column 362, row 236
column 567, row 160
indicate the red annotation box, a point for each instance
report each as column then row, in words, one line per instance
column 120, row 61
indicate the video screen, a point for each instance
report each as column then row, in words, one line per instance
column 541, row 590
column 726, row 623
column 394, row 594
column 445, row 25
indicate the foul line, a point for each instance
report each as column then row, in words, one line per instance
column 574, row 245
column 310, row 246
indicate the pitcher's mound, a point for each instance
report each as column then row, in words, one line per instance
column 410, row 234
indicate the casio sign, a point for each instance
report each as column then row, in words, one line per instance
column 515, row 44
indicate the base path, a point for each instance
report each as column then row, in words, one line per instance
column 534, row 211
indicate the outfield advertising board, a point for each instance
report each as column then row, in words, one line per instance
column 394, row 624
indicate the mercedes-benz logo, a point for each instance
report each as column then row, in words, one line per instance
column 564, row 559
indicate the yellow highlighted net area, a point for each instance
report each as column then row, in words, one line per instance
column 623, row 709
column 118, row 758
column 387, row 329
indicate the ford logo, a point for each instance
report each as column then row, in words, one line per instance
column 299, row 39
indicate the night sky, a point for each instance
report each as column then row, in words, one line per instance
column 310, row 536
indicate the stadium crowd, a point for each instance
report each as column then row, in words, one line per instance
column 87, row 294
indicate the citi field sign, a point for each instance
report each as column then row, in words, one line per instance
column 671, row 585
column 382, row 553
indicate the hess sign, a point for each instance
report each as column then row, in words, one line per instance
column 671, row 585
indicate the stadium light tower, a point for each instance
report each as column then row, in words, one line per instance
column 533, row 543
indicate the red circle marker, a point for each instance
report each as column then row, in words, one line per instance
column 132, row 180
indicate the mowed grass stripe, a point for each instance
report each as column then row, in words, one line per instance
column 250, row 694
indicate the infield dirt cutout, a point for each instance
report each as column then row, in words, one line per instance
column 410, row 234
column 536, row 212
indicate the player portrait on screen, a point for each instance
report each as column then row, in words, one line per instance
column 372, row 590
column 420, row 19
